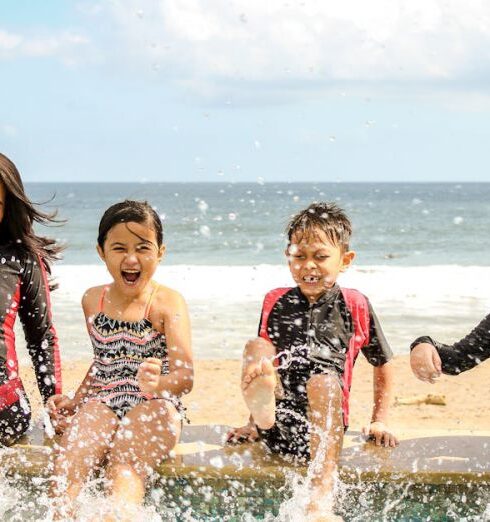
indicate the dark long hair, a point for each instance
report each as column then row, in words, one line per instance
column 20, row 215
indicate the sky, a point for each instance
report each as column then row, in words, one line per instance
column 246, row 90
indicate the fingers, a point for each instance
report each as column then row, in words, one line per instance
column 243, row 434
column 425, row 362
column 381, row 435
column 436, row 361
column 149, row 374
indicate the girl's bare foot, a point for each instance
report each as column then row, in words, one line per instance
column 258, row 385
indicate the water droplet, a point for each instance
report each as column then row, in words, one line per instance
column 217, row 462
column 203, row 206
column 205, row 231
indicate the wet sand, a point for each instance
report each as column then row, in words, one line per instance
column 216, row 397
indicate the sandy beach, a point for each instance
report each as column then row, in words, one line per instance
column 216, row 397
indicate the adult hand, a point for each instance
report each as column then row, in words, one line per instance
column 380, row 434
column 149, row 374
column 426, row 363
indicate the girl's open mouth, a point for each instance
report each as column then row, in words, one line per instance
column 130, row 276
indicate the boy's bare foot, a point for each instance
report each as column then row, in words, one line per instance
column 258, row 385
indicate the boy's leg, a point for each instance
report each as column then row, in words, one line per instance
column 144, row 439
column 259, row 382
column 82, row 449
column 327, row 431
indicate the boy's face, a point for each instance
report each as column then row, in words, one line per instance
column 315, row 262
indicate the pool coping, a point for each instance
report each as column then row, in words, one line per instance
column 428, row 457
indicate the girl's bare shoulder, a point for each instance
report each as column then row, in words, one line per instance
column 168, row 298
column 91, row 299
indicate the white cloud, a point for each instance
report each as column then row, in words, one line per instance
column 64, row 45
column 308, row 42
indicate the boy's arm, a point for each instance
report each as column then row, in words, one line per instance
column 382, row 393
column 378, row 353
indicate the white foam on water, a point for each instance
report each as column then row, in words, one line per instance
column 225, row 301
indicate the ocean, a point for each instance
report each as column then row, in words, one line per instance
column 422, row 254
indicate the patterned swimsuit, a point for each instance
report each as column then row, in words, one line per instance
column 119, row 349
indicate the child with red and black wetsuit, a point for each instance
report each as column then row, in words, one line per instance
column 24, row 291
column 313, row 333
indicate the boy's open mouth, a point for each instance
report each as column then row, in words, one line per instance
column 311, row 279
column 130, row 276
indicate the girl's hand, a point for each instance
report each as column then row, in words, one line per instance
column 60, row 408
column 149, row 374
column 426, row 363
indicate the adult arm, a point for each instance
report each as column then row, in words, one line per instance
column 464, row 354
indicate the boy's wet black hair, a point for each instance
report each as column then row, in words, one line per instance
column 130, row 211
column 327, row 217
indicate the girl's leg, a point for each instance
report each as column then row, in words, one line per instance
column 144, row 439
column 82, row 449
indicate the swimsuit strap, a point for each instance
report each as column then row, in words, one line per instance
column 102, row 295
column 148, row 304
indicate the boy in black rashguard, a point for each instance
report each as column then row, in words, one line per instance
column 430, row 358
column 313, row 334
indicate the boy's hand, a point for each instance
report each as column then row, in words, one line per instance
column 247, row 433
column 426, row 363
column 60, row 408
column 149, row 374
column 380, row 434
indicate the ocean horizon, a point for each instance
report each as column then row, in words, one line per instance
column 421, row 258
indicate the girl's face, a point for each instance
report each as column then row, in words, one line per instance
column 132, row 255
column 2, row 200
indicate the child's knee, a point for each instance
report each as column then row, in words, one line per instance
column 324, row 384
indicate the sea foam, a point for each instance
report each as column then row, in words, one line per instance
column 225, row 301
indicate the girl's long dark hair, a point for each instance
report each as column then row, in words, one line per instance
column 20, row 215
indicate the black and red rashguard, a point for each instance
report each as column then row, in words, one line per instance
column 315, row 338
column 24, row 290
column 466, row 353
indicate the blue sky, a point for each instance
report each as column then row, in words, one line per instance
column 161, row 90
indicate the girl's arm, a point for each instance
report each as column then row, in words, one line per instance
column 176, row 324
column 41, row 338
column 61, row 406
